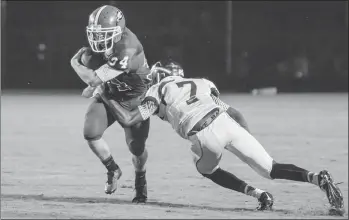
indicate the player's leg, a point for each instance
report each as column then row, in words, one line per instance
column 136, row 137
column 323, row 179
column 207, row 149
column 250, row 151
column 97, row 120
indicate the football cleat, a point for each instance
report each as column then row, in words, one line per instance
column 141, row 188
column 113, row 177
column 266, row 201
column 333, row 193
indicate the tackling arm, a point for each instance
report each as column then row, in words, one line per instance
column 238, row 117
column 87, row 75
column 235, row 114
column 129, row 118
column 124, row 117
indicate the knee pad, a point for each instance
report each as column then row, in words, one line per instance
column 206, row 161
column 206, row 170
column 207, row 164
column 136, row 147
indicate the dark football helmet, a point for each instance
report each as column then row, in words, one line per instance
column 105, row 27
column 162, row 69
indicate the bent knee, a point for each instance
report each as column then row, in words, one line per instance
column 207, row 165
column 136, row 147
column 206, row 160
column 92, row 133
column 92, row 136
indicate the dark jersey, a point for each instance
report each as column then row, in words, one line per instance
column 125, row 72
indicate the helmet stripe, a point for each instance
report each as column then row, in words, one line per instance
column 99, row 13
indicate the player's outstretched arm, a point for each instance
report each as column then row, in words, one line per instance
column 87, row 75
column 232, row 112
column 238, row 117
column 123, row 116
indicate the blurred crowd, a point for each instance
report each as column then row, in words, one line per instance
column 294, row 46
column 290, row 48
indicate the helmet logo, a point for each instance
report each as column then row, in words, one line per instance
column 119, row 15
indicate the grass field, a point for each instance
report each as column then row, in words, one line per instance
column 48, row 171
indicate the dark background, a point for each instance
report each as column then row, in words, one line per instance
column 296, row 46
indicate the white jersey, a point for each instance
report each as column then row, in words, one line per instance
column 181, row 101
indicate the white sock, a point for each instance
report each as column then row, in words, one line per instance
column 251, row 191
column 313, row 178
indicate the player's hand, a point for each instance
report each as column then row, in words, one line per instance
column 75, row 61
column 99, row 90
column 88, row 92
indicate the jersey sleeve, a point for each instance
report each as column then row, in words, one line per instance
column 214, row 90
column 106, row 72
column 220, row 102
column 150, row 104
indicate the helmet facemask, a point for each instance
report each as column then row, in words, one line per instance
column 158, row 73
column 102, row 39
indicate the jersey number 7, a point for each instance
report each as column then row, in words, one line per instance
column 193, row 88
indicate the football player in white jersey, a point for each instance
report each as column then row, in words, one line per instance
column 196, row 113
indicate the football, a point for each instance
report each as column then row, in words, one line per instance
column 92, row 60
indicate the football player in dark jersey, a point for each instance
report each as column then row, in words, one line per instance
column 123, row 75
